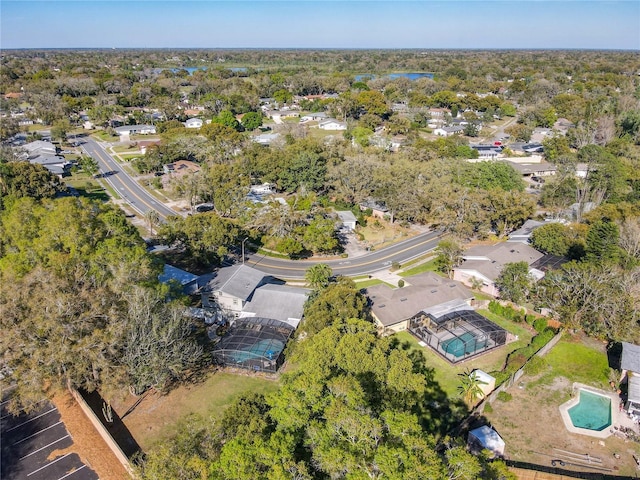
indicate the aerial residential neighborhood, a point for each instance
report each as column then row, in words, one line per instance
column 333, row 240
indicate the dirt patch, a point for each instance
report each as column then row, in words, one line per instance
column 87, row 443
column 532, row 428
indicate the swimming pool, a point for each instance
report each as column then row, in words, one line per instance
column 593, row 411
column 263, row 349
column 464, row 344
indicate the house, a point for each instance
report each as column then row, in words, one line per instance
column 348, row 219
column 486, row 438
column 529, row 170
column 313, row 117
column 483, row 264
column 232, row 287
column 332, row 124
column 193, row 123
column 181, row 167
column 135, row 130
column 392, row 308
column 487, row 151
column 277, row 302
column 145, row 144
column 630, row 366
column 266, row 139
column 448, row 131
column 523, row 234
column 171, row 274
column 377, row 209
column 39, row 147
column 264, row 189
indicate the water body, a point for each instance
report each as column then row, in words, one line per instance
column 411, row 76
column 195, row 69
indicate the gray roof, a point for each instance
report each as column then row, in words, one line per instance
column 633, row 389
column 526, row 229
column 49, row 160
column 532, row 168
column 630, row 357
column 173, row 273
column 278, row 302
column 39, row 146
column 489, row 260
column 239, row 281
column 427, row 290
column 346, row 216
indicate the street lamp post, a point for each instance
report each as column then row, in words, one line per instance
column 245, row 239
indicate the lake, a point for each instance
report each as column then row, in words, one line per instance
column 393, row 76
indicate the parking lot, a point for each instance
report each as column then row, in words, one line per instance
column 28, row 441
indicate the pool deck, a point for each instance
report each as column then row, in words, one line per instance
column 616, row 416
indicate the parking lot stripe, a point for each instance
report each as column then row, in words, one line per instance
column 37, row 433
column 71, row 473
column 36, row 451
column 32, row 419
column 49, row 464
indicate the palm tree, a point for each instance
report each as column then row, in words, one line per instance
column 318, row 275
column 153, row 218
column 470, row 387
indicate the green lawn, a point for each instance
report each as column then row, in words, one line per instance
column 576, row 361
column 87, row 186
column 429, row 266
column 446, row 374
column 372, row 282
column 160, row 418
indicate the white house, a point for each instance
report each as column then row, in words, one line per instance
column 193, row 123
column 314, row 116
column 332, row 124
column 483, row 264
column 136, row 130
column 448, row 131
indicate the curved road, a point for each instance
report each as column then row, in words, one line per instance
column 140, row 200
column 372, row 262
column 134, row 194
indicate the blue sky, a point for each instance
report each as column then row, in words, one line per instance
column 320, row 24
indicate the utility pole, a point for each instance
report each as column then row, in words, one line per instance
column 245, row 239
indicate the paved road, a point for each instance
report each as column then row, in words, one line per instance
column 372, row 262
column 134, row 194
column 142, row 201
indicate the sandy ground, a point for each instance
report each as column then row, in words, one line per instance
column 87, row 443
column 532, row 428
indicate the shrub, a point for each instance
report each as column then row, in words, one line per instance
column 488, row 408
column 504, row 396
column 400, row 283
column 535, row 366
column 540, row 325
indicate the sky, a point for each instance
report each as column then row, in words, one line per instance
column 426, row 24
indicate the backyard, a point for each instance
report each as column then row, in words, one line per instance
column 157, row 416
column 446, row 374
column 528, row 416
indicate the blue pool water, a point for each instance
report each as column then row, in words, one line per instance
column 592, row 412
column 464, row 344
column 269, row 349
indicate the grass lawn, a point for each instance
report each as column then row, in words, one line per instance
column 577, row 361
column 446, row 374
column 372, row 282
column 157, row 417
column 87, row 186
column 105, row 137
column 429, row 266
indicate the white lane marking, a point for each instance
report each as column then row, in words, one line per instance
column 49, row 464
column 71, row 473
column 32, row 419
column 37, row 433
column 36, row 451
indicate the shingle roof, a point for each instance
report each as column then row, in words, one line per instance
column 278, row 302
column 630, row 357
column 489, row 260
column 239, row 281
column 426, row 291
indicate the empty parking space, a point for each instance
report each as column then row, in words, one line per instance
column 28, row 441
